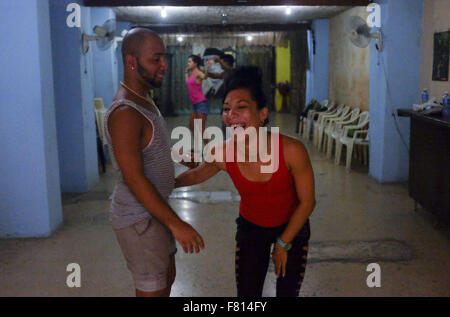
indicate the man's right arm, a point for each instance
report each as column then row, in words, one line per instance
column 126, row 127
column 214, row 75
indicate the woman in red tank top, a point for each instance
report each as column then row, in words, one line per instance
column 275, row 206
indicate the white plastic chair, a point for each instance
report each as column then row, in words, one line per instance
column 309, row 115
column 364, row 144
column 350, row 141
column 325, row 119
column 308, row 121
column 335, row 128
column 315, row 123
column 100, row 111
column 303, row 120
column 329, row 121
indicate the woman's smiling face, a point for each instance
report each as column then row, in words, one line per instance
column 241, row 111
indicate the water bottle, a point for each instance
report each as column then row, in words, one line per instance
column 445, row 99
column 425, row 96
column 446, row 104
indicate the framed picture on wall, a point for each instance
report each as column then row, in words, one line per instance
column 440, row 56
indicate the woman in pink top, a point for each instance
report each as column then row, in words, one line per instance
column 194, row 77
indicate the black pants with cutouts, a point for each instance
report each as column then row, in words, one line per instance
column 253, row 253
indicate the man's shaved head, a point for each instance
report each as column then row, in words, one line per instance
column 143, row 54
column 135, row 40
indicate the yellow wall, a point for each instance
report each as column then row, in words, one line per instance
column 435, row 19
column 283, row 69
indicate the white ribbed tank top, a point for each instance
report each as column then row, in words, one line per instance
column 125, row 209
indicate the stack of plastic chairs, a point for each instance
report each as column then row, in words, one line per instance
column 321, row 121
column 335, row 128
column 316, row 115
column 100, row 111
column 332, row 110
column 308, row 121
column 310, row 108
column 353, row 135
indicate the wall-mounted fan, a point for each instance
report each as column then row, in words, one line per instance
column 118, row 39
column 360, row 34
column 104, row 36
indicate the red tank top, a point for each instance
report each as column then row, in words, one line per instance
column 270, row 203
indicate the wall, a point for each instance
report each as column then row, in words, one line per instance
column 317, row 76
column 118, row 54
column 283, row 71
column 435, row 19
column 105, row 62
column 30, row 200
column 349, row 66
column 394, row 84
column 74, row 100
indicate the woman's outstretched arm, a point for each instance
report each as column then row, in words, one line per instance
column 197, row 175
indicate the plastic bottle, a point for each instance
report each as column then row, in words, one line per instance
column 445, row 99
column 446, row 104
column 425, row 96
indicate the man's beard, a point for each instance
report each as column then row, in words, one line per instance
column 151, row 81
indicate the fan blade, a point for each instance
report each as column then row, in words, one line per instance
column 361, row 42
column 363, row 30
column 100, row 31
column 103, row 44
column 359, row 32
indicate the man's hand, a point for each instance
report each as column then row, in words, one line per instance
column 187, row 237
column 279, row 257
column 189, row 164
column 188, row 160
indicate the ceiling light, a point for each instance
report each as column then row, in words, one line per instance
column 163, row 12
column 249, row 38
column 180, row 38
column 288, row 10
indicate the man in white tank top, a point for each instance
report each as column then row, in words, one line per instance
column 145, row 225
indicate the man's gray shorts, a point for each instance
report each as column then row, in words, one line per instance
column 147, row 246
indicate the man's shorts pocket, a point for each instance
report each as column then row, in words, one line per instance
column 142, row 226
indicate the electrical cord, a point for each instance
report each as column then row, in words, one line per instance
column 389, row 102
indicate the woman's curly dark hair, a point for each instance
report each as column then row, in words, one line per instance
column 250, row 78
column 196, row 59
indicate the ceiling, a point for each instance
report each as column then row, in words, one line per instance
column 230, row 15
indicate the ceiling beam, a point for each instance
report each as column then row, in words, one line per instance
column 116, row 3
column 195, row 28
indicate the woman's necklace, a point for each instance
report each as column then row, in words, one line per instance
column 150, row 101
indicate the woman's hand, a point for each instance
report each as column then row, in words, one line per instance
column 279, row 258
column 186, row 70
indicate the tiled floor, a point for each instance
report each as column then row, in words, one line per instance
column 356, row 222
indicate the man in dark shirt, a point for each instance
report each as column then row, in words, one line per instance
column 226, row 62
